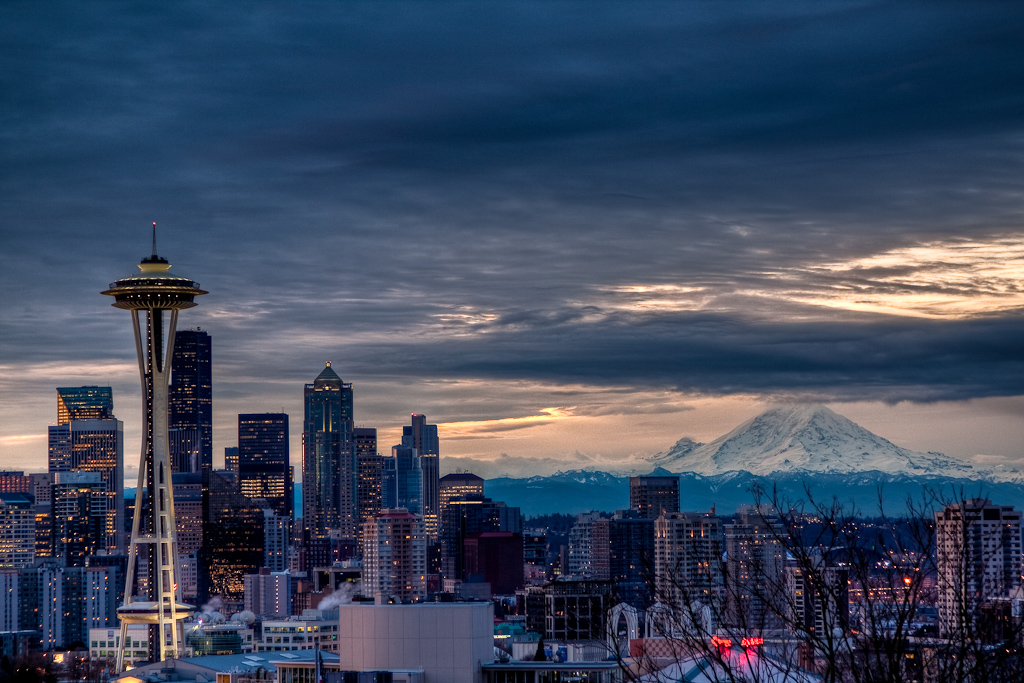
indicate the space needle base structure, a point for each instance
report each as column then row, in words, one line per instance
column 148, row 295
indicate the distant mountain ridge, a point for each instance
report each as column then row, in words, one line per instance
column 805, row 438
column 790, row 449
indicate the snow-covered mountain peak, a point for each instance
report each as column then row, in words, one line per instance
column 809, row 438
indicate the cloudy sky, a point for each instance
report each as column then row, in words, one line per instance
column 570, row 233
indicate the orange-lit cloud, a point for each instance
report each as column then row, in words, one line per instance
column 475, row 429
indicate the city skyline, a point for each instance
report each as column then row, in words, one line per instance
column 568, row 237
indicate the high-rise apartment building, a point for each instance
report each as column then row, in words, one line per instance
column 978, row 551
column 579, row 562
column 268, row 594
column 88, row 438
column 653, row 496
column 263, row 461
column 755, row 559
column 277, row 532
column 395, row 557
column 622, row 552
column 61, row 603
column 688, row 560
column 17, row 530
column 329, row 459
column 423, row 437
column 818, row 601
column 190, row 407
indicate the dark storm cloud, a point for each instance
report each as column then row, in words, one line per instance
column 433, row 189
column 892, row 361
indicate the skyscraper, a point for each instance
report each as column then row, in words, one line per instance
column 408, row 479
column 623, row 552
column 423, row 437
column 329, row 459
column 84, row 403
column 456, row 485
column 369, row 477
column 233, row 541
column 263, row 462
column 190, row 396
column 79, row 516
column 152, row 292
column 88, row 438
column 652, row 496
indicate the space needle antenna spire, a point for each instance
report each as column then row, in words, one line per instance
column 157, row 602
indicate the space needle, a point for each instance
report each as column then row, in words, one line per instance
column 154, row 291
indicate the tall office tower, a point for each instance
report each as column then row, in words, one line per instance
column 688, row 560
column 472, row 515
column 231, row 459
column 329, row 459
column 755, row 560
column 456, row 485
column 581, row 543
column 369, row 471
column 190, row 398
column 395, row 557
column 88, row 438
column 423, row 437
column 388, row 483
column 232, row 541
column 79, row 516
column 148, row 296
column 184, row 450
column 365, row 439
column 277, row 533
column 623, row 552
column 84, row 403
column 408, row 479
column 653, row 496
column 978, row 552
column 263, row 469
column 17, row 530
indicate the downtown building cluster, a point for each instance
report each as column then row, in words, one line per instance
column 396, row 571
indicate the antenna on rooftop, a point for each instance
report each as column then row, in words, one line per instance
column 154, row 239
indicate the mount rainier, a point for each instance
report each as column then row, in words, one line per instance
column 794, row 448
